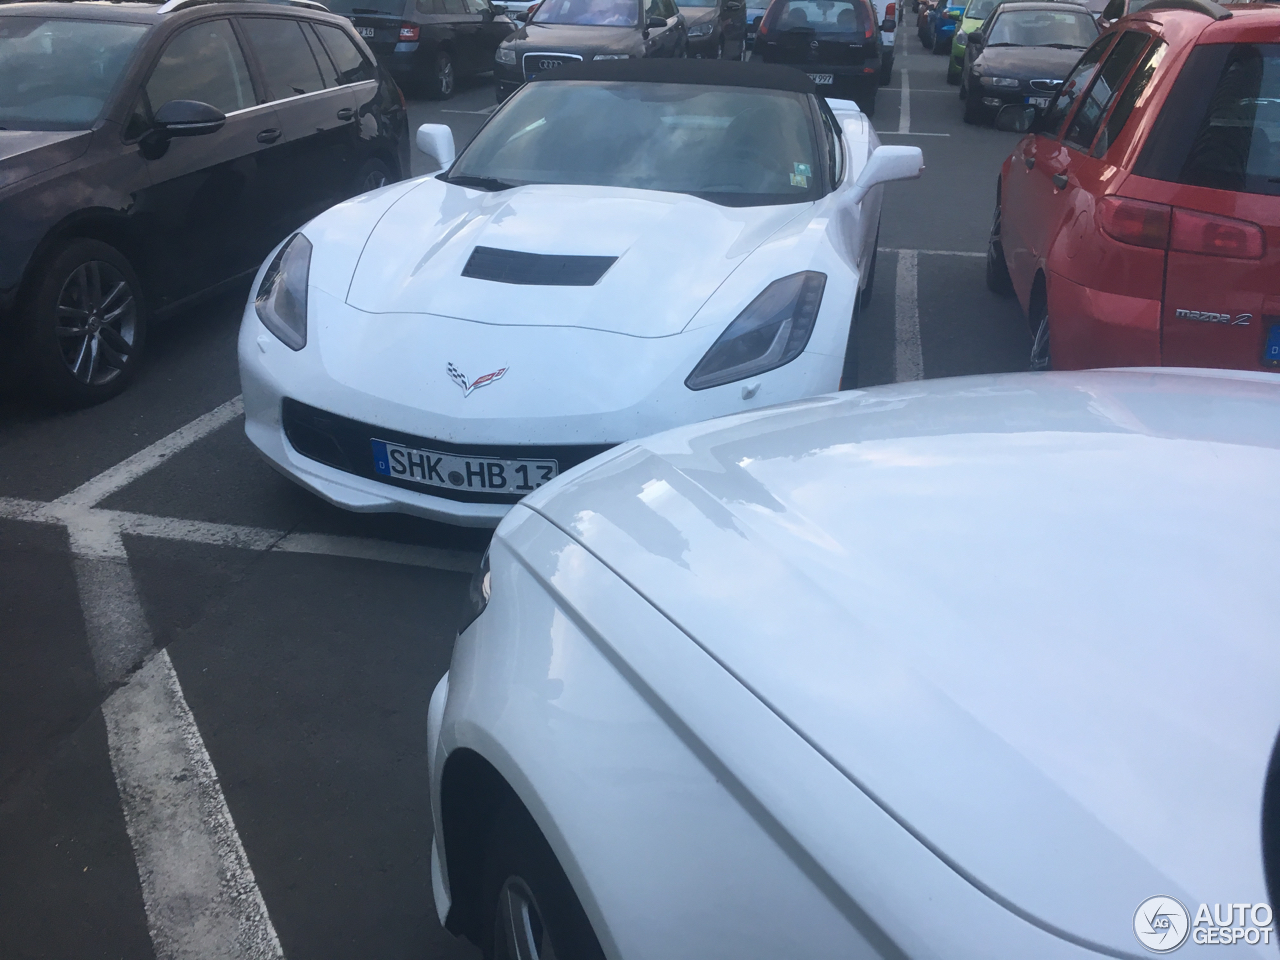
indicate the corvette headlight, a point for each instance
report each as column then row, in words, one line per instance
column 1000, row 81
column 612, row 56
column 770, row 332
column 281, row 302
column 505, row 54
column 962, row 38
column 700, row 30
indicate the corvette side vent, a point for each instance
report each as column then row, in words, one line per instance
column 535, row 269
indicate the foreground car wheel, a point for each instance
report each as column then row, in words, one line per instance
column 87, row 325
column 998, row 280
column 533, row 911
column 441, row 83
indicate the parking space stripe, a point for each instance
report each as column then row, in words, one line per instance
column 201, row 897
column 936, row 253
column 908, row 363
column 904, row 117
column 125, row 472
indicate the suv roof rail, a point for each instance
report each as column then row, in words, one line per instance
column 171, row 5
column 1207, row 7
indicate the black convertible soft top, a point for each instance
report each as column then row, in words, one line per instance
column 720, row 73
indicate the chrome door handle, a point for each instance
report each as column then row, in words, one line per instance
column 346, row 113
column 1060, row 180
column 1029, row 161
column 270, row 135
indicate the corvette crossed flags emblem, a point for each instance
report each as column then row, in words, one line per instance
column 460, row 379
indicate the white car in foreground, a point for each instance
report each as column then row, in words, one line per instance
column 625, row 247
column 968, row 669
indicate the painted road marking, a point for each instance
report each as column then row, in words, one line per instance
column 904, row 116
column 908, row 363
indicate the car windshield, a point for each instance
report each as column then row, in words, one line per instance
column 825, row 16
column 979, row 9
column 595, row 13
column 734, row 146
column 57, row 74
column 356, row 8
column 1043, row 28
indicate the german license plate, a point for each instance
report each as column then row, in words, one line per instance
column 460, row 472
column 365, row 32
column 1271, row 350
column 1041, row 102
column 822, row 78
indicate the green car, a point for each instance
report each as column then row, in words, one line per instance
column 974, row 15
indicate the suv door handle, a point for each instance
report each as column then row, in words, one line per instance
column 346, row 113
column 270, row 135
column 1029, row 161
column 1060, row 180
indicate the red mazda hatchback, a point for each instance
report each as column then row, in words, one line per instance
column 1138, row 222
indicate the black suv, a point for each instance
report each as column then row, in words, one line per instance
column 428, row 44
column 151, row 154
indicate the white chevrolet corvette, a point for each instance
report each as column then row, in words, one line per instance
column 624, row 247
column 974, row 669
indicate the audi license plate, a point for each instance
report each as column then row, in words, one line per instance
column 822, row 78
column 365, row 32
column 457, row 472
column 1041, row 102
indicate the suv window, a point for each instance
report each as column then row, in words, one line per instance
column 1073, row 86
column 203, row 62
column 455, row 7
column 285, row 56
column 1084, row 125
column 1237, row 146
column 1133, row 92
column 347, row 59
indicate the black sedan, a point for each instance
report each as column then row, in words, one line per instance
column 149, row 155
column 1021, row 54
column 836, row 42
column 717, row 29
column 568, row 31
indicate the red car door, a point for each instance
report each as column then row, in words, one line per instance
column 1219, row 171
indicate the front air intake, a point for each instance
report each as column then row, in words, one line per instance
column 535, row 269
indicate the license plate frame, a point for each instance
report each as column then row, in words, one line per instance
column 459, row 471
column 1041, row 103
column 1271, row 346
column 823, row 79
column 367, row 32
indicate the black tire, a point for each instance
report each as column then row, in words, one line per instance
column 372, row 174
column 998, row 280
column 864, row 297
column 974, row 112
column 865, row 97
column 520, row 865
column 941, row 44
column 849, row 372
column 442, row 82
column 88, row 286
column 964, row 87
column 1039, row 322
column 953, row 73
column 886, row 71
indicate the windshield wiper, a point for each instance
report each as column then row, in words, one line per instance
column 1002, row 43
column 370, row 10
column 480, row 183
column 1062, row 46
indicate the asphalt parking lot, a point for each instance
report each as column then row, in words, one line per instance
column 276, row 801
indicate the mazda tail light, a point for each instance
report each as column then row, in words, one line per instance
column 1135, row 221
column 409, row 31
column 1195, row 232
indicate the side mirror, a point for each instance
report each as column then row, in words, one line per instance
column 733, row 5
column 884, row 165
column 436, row 141
column 523, row 16
column 188, row 118
column 1016, row 118
column 657, row 23
column 976, row 39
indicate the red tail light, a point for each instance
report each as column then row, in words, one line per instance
column 1135, row 221
column 408, row 31
column 890, row 12
column 1195, row 232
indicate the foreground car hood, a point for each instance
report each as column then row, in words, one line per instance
column 1032, row 617
column 1027, row 63
column 673, row 251
column 24, row 153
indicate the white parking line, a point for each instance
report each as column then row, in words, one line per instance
column 936, row 253
column 908, row 363
column 904, row 117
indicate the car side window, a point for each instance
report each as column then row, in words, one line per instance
column 1130, row 96
column 203, row 62
column 455, row 7
column 1114, row 10
column 430, row 7
column 669, row 9
column 1098, row 98
column 285, row 55
column 1056, row 116
column 477, row 6
column 348, row 61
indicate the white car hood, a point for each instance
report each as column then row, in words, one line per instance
column 1033, row 617
column 673, row 251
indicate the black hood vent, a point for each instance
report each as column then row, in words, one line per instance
column 535, row 269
